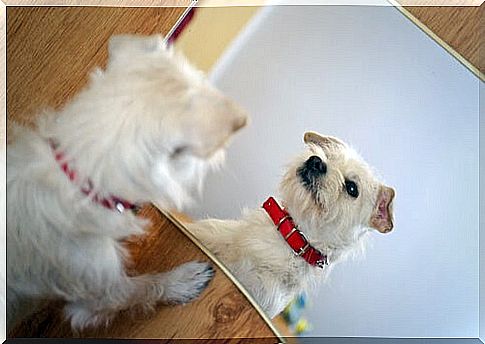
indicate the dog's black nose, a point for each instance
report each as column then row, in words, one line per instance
column 315, row 164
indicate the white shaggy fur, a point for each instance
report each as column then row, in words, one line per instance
column 334, row 222
column 145, row 129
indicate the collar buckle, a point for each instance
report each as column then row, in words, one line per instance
column 305, row 247
column 283, row 219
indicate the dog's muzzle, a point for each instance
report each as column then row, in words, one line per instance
column 311, row 170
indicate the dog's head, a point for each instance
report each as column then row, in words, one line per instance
column 170, row 123
column 330, row 186
column 195, row 117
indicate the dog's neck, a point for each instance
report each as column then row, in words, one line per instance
column 331, row 241
column 334, row 242
column 109, row 202
column 293, row 236
column 106, row 158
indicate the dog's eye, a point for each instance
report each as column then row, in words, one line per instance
column 351, row 188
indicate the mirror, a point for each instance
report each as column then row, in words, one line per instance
column 367, row 75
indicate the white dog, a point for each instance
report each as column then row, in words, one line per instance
column 145, row 129
column 331, row 199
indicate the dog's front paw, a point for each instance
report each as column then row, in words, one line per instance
column 186, row 282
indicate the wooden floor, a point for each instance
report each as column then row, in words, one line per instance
column 50, row 52
column 459, row 27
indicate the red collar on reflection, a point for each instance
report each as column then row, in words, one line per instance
column 292, row 235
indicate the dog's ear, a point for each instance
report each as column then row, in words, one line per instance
column 133, row 45
column 382, row 216
column 326, row 142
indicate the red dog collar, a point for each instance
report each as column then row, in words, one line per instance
column 111, row 202
column 292, row 235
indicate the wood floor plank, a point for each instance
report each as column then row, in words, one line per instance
column 459, row 27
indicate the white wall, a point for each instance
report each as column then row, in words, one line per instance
column 369, row 76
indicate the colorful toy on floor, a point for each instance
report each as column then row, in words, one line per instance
column 292, row 315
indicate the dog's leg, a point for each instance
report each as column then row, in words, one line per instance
column 180, row 285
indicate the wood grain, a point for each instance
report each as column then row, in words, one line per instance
column 50, row 52
column 459, row 27
column 222, row 311
column 105, row 3
column 209, row 3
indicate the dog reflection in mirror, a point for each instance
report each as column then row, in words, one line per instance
column 330, row 202
column 145, row 129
